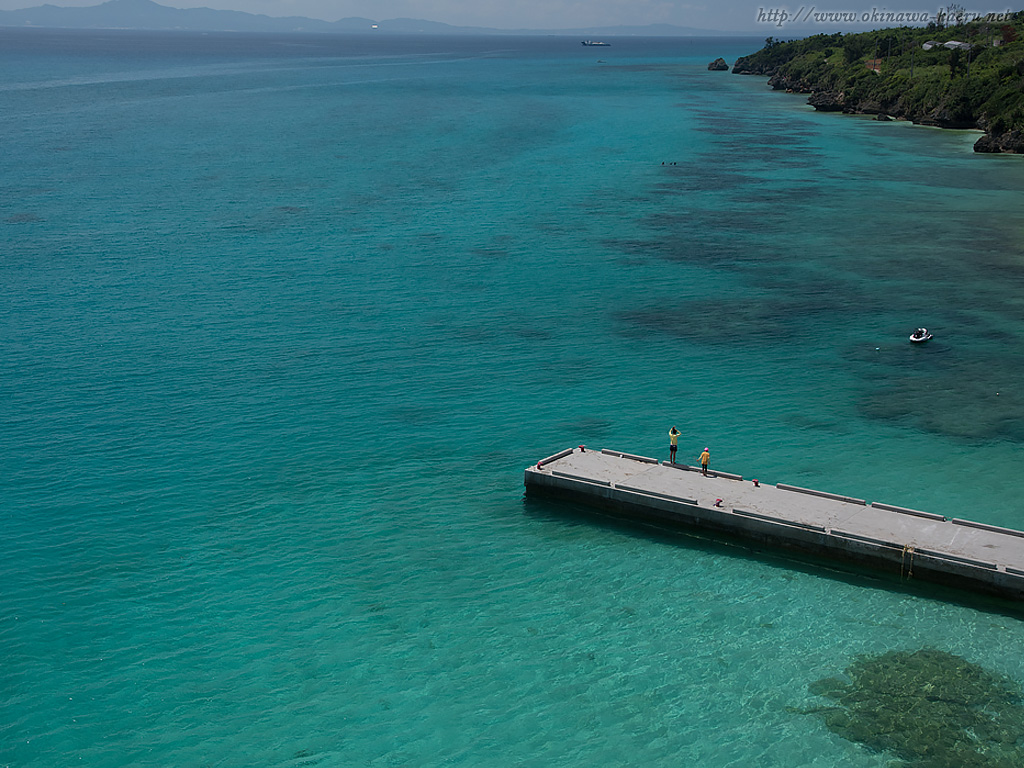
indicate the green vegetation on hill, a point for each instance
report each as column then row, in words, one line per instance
column 909, row 73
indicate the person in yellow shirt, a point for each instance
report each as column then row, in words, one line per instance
column 673, row 443
column 704, row 459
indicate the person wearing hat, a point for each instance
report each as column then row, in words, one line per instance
column 704, row 459
column 673, row 443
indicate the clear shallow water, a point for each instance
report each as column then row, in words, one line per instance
column 261, row 294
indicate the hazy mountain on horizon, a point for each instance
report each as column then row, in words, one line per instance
column 148, row 15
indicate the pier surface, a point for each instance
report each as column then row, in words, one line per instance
column 903, row 542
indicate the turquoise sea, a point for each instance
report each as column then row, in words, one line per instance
column 284, row 318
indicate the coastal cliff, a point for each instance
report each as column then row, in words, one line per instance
column 959, row 76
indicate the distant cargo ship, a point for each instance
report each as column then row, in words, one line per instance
column 593, row 42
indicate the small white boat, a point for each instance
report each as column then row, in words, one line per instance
column 595, row 42
column 920, row 336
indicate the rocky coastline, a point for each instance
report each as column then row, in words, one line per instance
column 860, row 88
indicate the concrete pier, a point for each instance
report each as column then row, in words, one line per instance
column 902, row 542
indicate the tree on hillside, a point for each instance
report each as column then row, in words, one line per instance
column 955, row 63
column 854, row 48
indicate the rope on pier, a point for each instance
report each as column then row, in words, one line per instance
column 905, row 567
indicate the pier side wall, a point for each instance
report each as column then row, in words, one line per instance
column 889, row 557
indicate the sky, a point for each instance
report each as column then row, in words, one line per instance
column 742, row 16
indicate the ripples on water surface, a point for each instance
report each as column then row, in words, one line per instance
column 284, row 319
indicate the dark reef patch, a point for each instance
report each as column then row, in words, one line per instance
column 23, row 218
column 930, row 708
column 531, row 333
column 491, row 253
column 704, row 176
column 972, row 401
column 802, row 193
column 702, row 249
column 586, row 428
column 729, row 321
